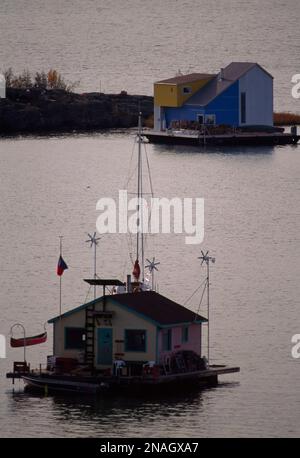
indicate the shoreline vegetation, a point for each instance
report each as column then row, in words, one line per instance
column 286, row 119
column 47, row 103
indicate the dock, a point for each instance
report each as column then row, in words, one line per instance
column 50, row 382
column 231, row 139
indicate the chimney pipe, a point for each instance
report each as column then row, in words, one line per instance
column 129, row 283
column 221, row 74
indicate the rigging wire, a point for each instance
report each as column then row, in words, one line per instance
column 196, row 290
column 202, row 295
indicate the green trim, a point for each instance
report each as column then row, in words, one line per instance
column 76, row 309
column 184, row 323
column 136, row 351
column 65, row 337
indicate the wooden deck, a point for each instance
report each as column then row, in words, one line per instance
column 233, row 139
column 46, row 381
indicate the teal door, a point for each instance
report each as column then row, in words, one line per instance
column 104, row 346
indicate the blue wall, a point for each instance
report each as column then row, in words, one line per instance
column 225, row 107
column 184, row 113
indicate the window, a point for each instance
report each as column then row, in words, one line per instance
column 167, row 340
column 186, row 90
column 210, row 119
column 200, row 118
column 185, row 334
column 243, row 107
column 135, row 340
column 74, row 338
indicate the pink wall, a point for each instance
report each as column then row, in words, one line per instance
column 194, row 341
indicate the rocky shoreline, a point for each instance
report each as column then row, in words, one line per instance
column 42, row 111
column 38, row 111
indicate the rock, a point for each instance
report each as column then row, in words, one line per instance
column 42, row 111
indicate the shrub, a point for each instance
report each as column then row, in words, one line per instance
column 51, row 80
column 287, row 119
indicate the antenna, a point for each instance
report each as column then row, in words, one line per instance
column 152, row 267
column 93, row 241
column 207, row 259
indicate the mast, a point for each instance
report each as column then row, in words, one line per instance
column 139, row 234
column 207, row 259
column 60, row 294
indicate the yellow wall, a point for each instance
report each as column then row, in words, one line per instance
column 171, row 95
column 122, row 319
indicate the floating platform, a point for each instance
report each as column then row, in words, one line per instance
column 49, row 382
column 237, row 139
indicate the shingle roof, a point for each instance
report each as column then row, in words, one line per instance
column 190, row 78
column 150, row 305
column 232, row 73
column 157, row 307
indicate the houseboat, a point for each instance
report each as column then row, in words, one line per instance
column 131, row 338
column 231, row 107
column 134, row 340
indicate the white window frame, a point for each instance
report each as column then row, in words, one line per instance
column 210, row 123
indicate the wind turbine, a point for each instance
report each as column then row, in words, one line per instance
column 152, row 267
column 93, row 241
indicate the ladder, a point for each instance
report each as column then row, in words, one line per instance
column 90, row 336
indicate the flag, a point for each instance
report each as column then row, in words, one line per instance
column 136, row 270
column 61, row 266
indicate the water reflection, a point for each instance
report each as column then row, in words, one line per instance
column 216, row 150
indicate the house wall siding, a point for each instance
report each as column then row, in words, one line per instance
column 258, row 86
column 172, row 95
column 225, row 107
column 76, row 320
column 122, row 319
column 194, row 341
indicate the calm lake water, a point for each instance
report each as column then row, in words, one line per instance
column 50, row 186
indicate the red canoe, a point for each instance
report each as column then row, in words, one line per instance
column 34, row 340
